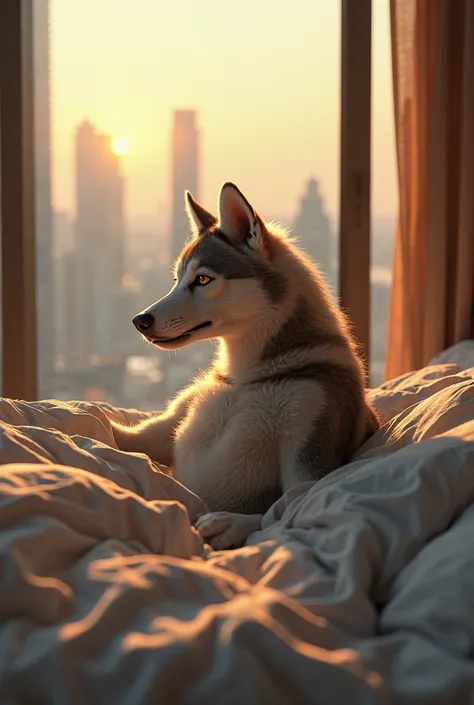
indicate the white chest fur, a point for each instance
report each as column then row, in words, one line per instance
column 229, row 441
column 208, row 414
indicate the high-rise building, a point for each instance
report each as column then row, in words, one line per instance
column 44, row 221
column 99, row 247
column 313, row 229
column 185, row 173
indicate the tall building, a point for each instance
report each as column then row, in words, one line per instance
column 313, row 228
column 185, row 173
column 99, row 248
column 44, row 220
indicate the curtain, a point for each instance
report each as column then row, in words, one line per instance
column 432, row 295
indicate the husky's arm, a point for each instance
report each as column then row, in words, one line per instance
column 155, row 437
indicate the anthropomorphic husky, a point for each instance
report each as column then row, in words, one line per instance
column 284, row 400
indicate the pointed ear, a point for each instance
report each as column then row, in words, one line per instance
column 239, row 221
column 199, row 218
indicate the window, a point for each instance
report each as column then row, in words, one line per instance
column 131, row 108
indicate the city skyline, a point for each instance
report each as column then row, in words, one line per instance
column 267, row 93
column 308, row 203
column 101, row 281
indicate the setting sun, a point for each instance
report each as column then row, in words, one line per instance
column 120, row 146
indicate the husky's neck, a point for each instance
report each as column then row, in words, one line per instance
column 308, row 317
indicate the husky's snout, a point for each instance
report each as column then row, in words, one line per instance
column 162, row 319
column 156, row 330
column 152, row 326
column 162, row 324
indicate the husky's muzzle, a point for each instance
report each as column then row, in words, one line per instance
column 164, row 322
column 144, row 323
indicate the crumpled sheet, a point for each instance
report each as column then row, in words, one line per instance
column 359, row 589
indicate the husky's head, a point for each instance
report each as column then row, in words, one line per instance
column 225, row 281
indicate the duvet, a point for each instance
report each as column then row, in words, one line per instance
column 358, row 589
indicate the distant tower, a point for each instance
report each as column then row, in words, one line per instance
column 99, row 246
column 185, row 173
column 44, row 220
column 313, row 228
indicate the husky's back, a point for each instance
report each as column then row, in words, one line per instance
column 284, row 400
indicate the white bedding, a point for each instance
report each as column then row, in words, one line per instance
column 359, row 588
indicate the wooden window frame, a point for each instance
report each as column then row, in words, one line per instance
column 355, row 174
column 17, row 201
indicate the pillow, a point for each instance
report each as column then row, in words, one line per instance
column 419, row 405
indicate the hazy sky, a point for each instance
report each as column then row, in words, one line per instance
column 263, row 74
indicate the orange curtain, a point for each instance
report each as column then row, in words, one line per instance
column 432, row 300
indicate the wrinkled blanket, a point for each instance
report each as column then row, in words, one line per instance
column 359, row 589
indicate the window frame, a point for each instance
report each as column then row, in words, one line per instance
column 355, row 170
column 17, row 201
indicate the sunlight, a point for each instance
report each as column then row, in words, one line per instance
column 120, row 146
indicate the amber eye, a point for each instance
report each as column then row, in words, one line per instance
column 203, row 279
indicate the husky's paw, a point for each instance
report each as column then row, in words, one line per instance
column 226, row 530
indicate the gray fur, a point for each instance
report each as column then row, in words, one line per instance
column 330, row 444
column 199, row 217
column 215, row 250
column 300, row 330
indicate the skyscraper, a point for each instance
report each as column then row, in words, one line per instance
column 44, row 221
column 313, row 228
column 185, row 173
column 99, row 245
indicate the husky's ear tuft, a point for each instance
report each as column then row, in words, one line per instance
column 199, row 218
column 238, row 220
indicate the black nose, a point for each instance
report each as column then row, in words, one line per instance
column 143, row 321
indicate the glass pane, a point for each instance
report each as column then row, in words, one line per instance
column 148, row 99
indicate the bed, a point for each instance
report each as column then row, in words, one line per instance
column 358, row 588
